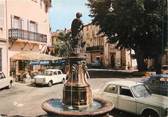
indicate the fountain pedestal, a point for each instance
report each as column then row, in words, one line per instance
column 77, row 96
column 77, row 92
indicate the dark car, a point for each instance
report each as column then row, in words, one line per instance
column 158, row 84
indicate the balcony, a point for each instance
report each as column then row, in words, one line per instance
column 15, row 34
column 95, row 49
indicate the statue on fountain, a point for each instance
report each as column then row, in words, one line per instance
column 76, row 33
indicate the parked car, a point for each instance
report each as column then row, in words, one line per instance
column 4, row 81
column 158, row 84
column 164, row 69
column 50, row 77
column 135, row 98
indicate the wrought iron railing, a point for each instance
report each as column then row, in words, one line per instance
column 26, row 35
column 94, row 48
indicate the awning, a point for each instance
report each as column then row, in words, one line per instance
column 39, row 63
column 33, row 56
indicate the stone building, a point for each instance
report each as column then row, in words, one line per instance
column 3, row 38
column 96, row 47
column 27, row 30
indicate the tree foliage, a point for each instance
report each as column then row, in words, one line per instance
column 63, row 47
column 133, row 24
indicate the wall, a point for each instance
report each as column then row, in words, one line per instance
column 3, row 37
column 29, row 10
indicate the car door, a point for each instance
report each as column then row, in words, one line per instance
column 126, row 100
column 60, row 76
column 155, row 85
column 164, row 86
column 55, row 77
column 111, row 93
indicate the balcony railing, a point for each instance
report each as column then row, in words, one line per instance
column 27, row 35
column 95, row 49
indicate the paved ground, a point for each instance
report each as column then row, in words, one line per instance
column 25, row 100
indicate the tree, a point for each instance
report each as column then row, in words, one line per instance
column 63, row 47
column 133, row 24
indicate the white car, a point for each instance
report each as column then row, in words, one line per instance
column 5, row 82
column 50, row 77
column 135, row 98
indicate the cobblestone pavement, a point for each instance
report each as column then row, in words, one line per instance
column 25, row 100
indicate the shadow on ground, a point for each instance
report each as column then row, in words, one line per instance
column 115, row 74
column 112, row 113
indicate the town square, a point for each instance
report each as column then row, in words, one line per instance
column 83, row 58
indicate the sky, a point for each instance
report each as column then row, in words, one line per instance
column 63, row 12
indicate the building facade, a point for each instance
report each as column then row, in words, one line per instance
column 28, row 29
column 97, row 47
column 3, row 38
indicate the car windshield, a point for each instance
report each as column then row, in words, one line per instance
column 2, row 75
column 141, row 91
column 48, row 73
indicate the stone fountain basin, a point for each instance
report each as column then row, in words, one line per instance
column 101, row 109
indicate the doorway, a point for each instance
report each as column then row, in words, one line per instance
column 113, row 55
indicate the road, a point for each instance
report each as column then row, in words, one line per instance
column 25, row 100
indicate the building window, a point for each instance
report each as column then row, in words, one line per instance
column 41, row 4
column 16, row 22
column 0, row 59
column 46, row 8
column 33, row 26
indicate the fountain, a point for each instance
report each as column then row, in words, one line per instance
column 77, row 94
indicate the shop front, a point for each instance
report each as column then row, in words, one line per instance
column 27, row 64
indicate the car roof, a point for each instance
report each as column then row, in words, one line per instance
column 53, row 70
column 124, row 83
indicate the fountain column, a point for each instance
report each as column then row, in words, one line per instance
column 77, row 92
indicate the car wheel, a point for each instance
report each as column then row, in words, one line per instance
column 10, row 85
column 149, row 113
column 50, row 83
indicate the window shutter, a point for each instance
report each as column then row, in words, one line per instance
column 28, row 23
column 12, row 21
column 1, row 15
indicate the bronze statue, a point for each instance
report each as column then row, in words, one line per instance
column 76, row 28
